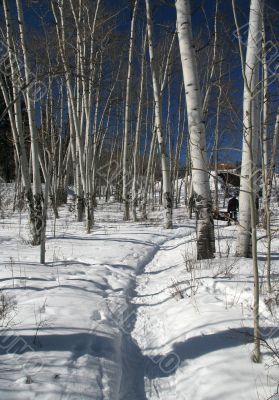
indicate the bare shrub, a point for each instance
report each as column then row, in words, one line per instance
column 176, row 290
column 225, row 269
column 7, row 310
column 193, row 268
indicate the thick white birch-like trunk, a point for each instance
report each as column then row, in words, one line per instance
column 167, row 198
column 200, row 176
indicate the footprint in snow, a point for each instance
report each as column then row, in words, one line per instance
column 97, row 315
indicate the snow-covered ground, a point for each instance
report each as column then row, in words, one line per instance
column 125, row 313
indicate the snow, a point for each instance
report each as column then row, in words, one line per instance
column 125, row 313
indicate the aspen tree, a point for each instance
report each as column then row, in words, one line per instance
column 15, row 115
column 250, row 72
column 137, row 135
column 196, row 126
column 167, row 198
column 247, row 234
column 269, row 177
column 37, row 187
column 125, row 194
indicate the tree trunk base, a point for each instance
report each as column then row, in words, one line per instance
column 36, row 217
column 126, row 215
column 80, row 208
column 205, row 240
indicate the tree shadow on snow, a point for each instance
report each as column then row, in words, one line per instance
column 161, row 366
column 78, row 343
column 137, row 367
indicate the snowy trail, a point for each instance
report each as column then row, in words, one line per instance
column 111, row 326
column 139, row 370
column 75, row 300
column 176, row 348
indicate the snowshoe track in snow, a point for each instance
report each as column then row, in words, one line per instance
column 142, row 373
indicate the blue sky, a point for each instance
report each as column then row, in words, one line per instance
column 164, row 17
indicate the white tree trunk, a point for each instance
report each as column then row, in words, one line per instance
column 137, row 137
column 15, row 117
column 247, row 234
column 269, row 178
column 44, row 217
column 74, row 107
column 158, row 126
column 179, row 141
column 250, row 71
column 264, row 131
column 147, row 178
column 216, row 145
column 37, row 187
column 127, row 124
column 200, row 176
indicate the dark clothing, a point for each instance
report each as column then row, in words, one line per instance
column 233, row 215
column 257, row 202
column 233, row 204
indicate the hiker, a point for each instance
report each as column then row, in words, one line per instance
column 232, row 209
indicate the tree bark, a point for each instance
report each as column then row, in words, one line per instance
column 250, row 71
column 196, row 126
column 167, row 198
column 137, row 137
column 125, row 193
column 247, row 234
